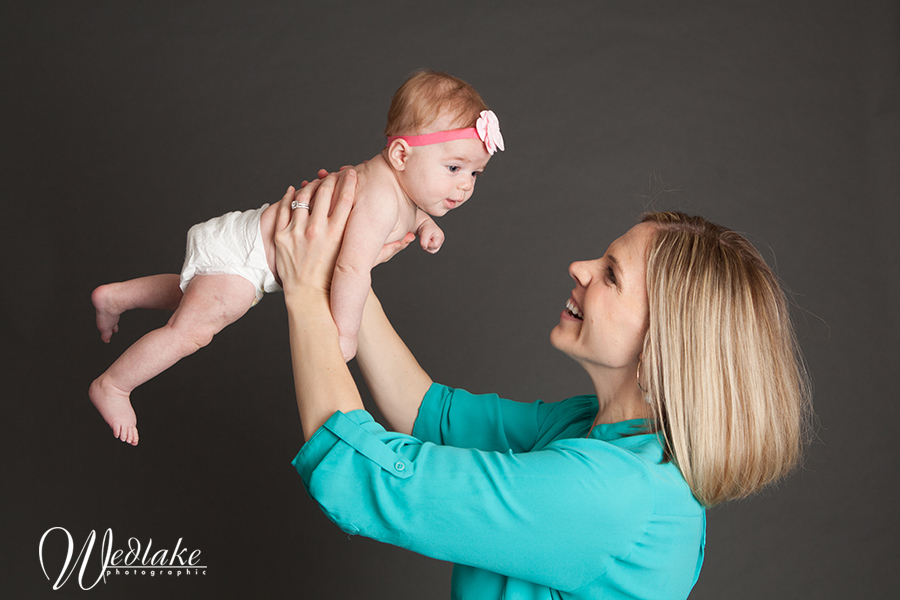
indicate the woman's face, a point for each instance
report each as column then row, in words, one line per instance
column 606, row 317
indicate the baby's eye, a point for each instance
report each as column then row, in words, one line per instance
column 476, row 173
column 453, row 168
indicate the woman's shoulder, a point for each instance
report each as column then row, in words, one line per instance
column 566, row 419
column 630, row 459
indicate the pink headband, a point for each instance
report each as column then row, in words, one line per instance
column 487, row 129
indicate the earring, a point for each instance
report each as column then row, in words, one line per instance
column 647, row 397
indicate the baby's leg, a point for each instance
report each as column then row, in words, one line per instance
column 209, row 304
column 111, row 300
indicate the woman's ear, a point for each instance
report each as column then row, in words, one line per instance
column 398, row 154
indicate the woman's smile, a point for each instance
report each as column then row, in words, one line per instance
column 573, row 311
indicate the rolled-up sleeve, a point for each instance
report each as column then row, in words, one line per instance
column 554, row 516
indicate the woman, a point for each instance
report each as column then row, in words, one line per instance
column 699, row 397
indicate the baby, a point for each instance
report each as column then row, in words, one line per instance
column 440, row 137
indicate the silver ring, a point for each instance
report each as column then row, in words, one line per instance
column 296, row 205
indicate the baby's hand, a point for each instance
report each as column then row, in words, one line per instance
column 431, row 238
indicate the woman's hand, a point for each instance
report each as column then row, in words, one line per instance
column 389, row 250
column 308, row 241
column 307, row 245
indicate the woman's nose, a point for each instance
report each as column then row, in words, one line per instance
column 580, row 272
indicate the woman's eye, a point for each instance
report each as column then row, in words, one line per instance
column 610, row 275
column 453, row 168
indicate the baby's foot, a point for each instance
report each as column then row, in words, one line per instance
column 107, row 312
column 115, row 408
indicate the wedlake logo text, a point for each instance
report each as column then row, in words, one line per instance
column 137, row 560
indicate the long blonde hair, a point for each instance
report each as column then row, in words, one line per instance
column 721, row 361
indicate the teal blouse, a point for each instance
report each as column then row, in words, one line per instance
column 526, row 499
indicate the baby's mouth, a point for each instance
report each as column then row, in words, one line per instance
column 573, row 310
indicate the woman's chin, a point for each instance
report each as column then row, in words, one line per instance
column 557, row 338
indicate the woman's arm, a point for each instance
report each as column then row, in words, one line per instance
column 559, row 517
column 393, row 375
column 307, row 244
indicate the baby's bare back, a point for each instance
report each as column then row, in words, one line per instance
column 376, row 189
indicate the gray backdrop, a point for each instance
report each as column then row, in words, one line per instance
column 125, row 123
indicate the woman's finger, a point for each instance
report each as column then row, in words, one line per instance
column 283, row 214
column 323, row 173
column 388, row 251
column 304, row 195
column 306, row 192
column 346, row 195
column 325, row 192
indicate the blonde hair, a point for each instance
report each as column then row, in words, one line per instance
column 428, row 94
column 721, row 361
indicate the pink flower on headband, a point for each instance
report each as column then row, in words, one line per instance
column 488, row 128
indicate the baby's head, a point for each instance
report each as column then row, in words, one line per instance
column 440, row 136
column 428, row 95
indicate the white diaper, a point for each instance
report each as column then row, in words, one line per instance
column 231, row 244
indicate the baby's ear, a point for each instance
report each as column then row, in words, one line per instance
column 398, row 154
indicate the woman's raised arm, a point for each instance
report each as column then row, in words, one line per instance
column 307, row 243
column 393, row 375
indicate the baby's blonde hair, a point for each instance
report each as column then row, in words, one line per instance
column 428, row 94
column 721, row 360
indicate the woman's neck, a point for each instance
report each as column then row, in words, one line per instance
column 619, row 397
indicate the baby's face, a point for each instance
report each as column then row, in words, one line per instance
column 440, row 177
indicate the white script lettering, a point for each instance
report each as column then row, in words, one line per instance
column 108, row 557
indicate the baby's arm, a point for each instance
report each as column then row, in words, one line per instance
column 368, row 228
column 431, row 238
